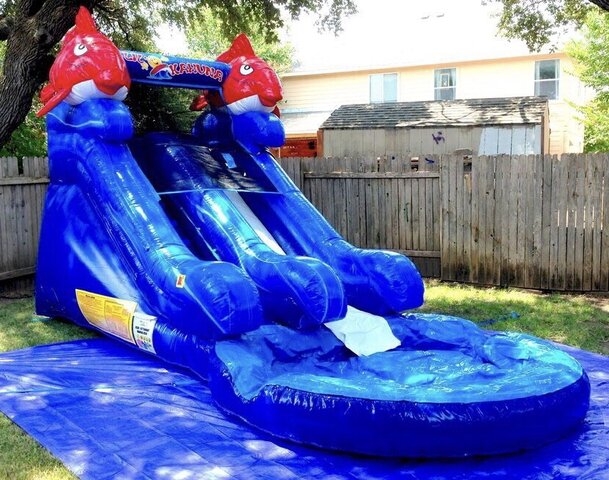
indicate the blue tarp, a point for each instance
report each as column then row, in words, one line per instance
column 110, row 412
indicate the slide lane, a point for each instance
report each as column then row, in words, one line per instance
column 299, row 291
column 377, row 281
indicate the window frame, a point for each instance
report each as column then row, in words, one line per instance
column 383, row 75
column 437, row 75
column 539, row 81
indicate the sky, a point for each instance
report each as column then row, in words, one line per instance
column 391, row 32
column 404, row 32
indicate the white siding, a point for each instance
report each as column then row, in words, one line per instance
column 481, row 79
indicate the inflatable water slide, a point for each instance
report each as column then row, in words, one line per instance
column 197, row 248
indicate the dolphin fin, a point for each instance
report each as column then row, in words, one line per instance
column 51, row 101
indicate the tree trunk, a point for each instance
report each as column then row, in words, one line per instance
column 37, row 26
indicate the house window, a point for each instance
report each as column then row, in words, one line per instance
column 445, row 84
column 384, row 87
column 546, row 78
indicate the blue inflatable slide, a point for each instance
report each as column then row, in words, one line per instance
column 199, row 249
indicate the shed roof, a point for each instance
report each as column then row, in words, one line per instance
column 436, row 113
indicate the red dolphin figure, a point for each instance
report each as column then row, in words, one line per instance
column 88, row 66
column 251, row 85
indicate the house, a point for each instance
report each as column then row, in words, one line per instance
column 488, row 126
column 452, row 54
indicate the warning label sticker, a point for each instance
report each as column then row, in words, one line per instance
column 112, row 315
column 143, row 328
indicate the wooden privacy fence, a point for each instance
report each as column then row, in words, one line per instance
column 527, row 221
column 390, row 204
column 23, row 184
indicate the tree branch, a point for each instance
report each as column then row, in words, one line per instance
column 29, row 8
column 54, row 18
column 604, row 4
column 6, row 27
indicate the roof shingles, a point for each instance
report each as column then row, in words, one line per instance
column 471, row 112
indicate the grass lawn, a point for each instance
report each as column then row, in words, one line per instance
column 578, row 320
column 21, row 457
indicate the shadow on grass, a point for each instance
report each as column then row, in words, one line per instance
column 18, row 328
column 21, row 457
column 571, row 319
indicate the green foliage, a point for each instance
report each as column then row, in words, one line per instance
column 138, row 18
column 537, row 23
column 161, row 109
column 156, row 109
column 29, row 139
column 206, row 39
column 132, row 26
column 595, row 117
column 591, row 55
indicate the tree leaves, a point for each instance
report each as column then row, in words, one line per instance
column 207, row 39
column 539, row 22
column 33, row 27
column 591, row 55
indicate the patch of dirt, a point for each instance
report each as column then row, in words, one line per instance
column 11, row 297
column 599, row 301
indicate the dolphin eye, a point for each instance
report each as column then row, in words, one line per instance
column 80, row 49
column 245, row 70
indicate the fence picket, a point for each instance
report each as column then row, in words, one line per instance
column 510, row 222
column 571, row 223
column 546, row 222
column 480, row 231
column 536, row 205
column 22, row 186
column 583, row 247
column 597, row 173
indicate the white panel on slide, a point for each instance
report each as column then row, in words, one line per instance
column 254, row 221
